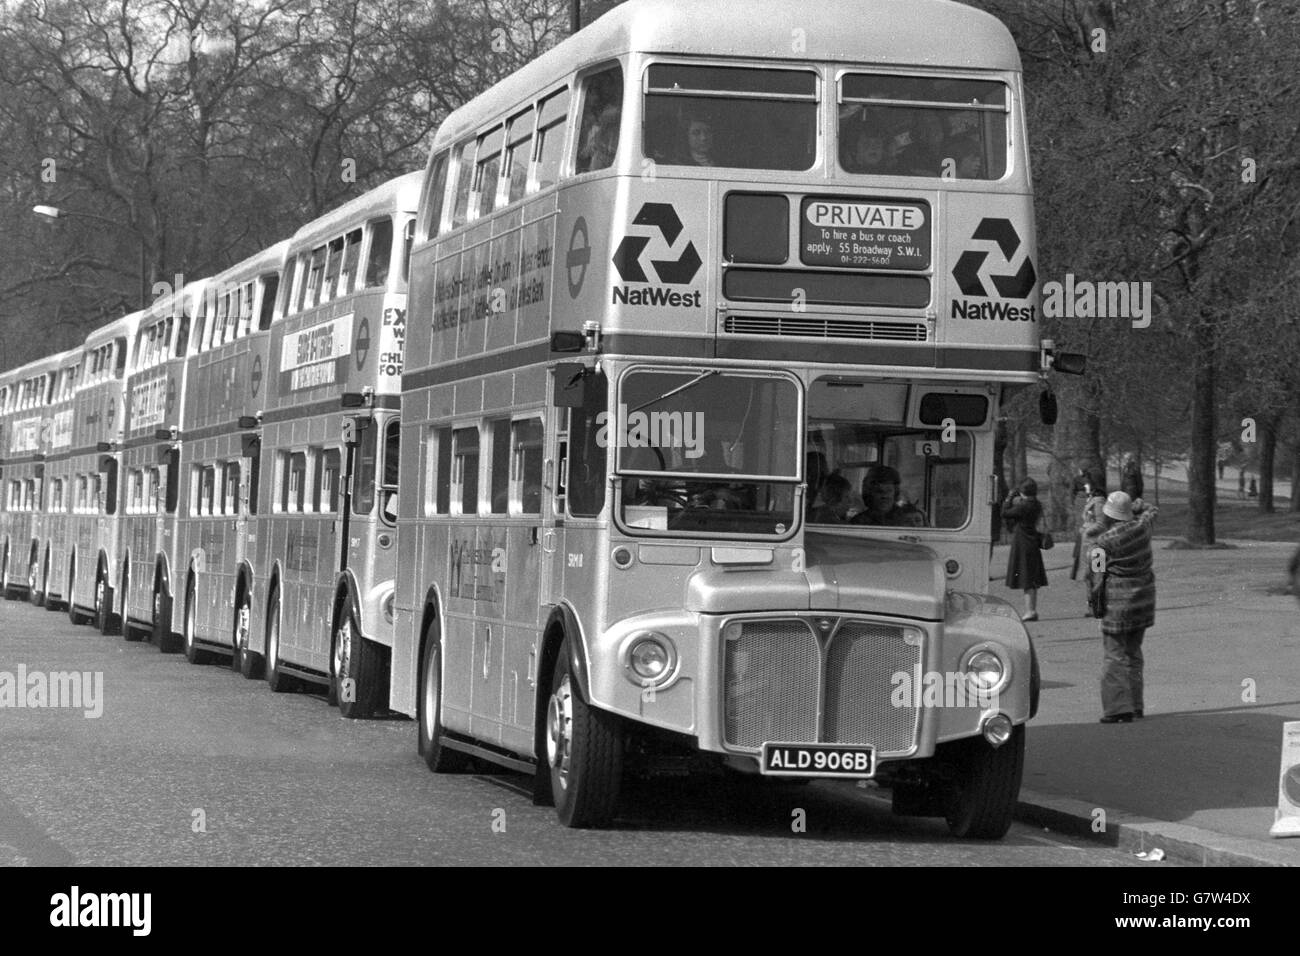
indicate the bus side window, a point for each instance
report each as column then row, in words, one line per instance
column 298, row 482
column 586, row 471
column 550, row 141
column 499, row 466
column 381, row 251
column 363, row 477
column 254, row 474
column 527, row 444
column 110, row 487
column 326, row 497
column 408, row 243
column 519, row 145
column 351, row 258
column 602, row 111
column 173, row 480
column 392, row 466
column 438, row 448
column 464, row 180
column 315, row 277
column 232, row 488
column 486, row 170
column 465, row 474
column 270, row 286
column 435, row 196
column 287, row 285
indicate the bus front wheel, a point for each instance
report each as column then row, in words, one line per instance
column 245, row 659
column 356, row 669
column 584, row 750
column 987, row 786
column 276, row 679
column 103, row 621
column 440, row 759
column 193, row 653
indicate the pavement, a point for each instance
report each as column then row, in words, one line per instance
column 1198, row 777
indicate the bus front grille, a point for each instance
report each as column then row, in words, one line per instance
column 836, row 328
column 781, row 684
column 863, row 659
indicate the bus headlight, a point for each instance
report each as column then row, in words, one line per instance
column 985, row 671
column 650, row 656
column 388, row 606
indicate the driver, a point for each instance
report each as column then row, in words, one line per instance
column 884, row 506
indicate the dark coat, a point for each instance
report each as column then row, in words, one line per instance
column 1025, row 562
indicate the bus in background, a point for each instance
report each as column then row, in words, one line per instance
column 95, row 462
column 50, row 528
column 155, row 398
column 27, row 399
column 226, row 382
column 9, row 391
column 329, row 444
column 681, row 291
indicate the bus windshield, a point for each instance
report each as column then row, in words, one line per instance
column 706, row 451
column 862, row 468
column 923, row 126
column 740, row 117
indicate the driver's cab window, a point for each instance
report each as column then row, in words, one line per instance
column 864, row 466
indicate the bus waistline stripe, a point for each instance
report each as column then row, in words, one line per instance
column 324, row 406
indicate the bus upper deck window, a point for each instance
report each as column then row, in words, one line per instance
column 486, row 172
column 519, row 144
column 381, row 252
column 549, row 149
column 287, row 285
column 315, row 278
column 333, row 265
column 923, row 126
column 464, row 182
column 435, row 191
column 742, row 117
column 270, row 287
column 602, row 113
column 351, row 258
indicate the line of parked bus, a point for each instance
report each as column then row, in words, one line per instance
column 675, row 213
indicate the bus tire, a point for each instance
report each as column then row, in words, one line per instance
column 987, row 786
column 75, row 616
column 129, row 631
column 4, row 573
column 428, row 717
column 584, row 750
column 163, row 609
column 355, row 659
column 276, row 679
column 245, row 660
column 193, row 653
column 103, row 620
column 35, row 594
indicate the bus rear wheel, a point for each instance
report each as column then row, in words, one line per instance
column 193, row 653
column 276, row 679
column 440, row 759
column 584, row 750
column 245, row 659
column 356, row 669
column 35, row 591
column 103, row 619
column 987, row 786
column 129, row 631
column 75, row 616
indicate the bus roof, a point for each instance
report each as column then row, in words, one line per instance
column 124, row 326
column 260, row 263
column 189, row 296
column 400, row 194
column 917, row 33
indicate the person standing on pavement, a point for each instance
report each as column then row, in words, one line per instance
column 1131, row 478
column 1124, row 534
column 1025, row 569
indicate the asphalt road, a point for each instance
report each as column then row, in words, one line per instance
column 197, row 766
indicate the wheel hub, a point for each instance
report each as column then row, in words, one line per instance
column 343, row 649
column 99, row 596
column 559, row 730
column 242, row 627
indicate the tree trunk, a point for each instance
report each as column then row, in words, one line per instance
column 1295, row 477
column 1000, row 473
column 1267, row 453
column 1200, row 468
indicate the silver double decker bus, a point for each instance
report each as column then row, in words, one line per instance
column 713, row 309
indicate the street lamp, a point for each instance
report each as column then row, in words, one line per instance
column 54, row 212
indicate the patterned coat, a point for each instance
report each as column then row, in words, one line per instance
column 1130, row 580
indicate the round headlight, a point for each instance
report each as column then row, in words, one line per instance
column 649, row 658
column 984, row 670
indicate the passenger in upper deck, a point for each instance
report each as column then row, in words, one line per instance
column 868, row 153
column 698, row 135
column 600, row 140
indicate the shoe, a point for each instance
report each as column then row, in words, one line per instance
column 1029, row 617
column 1118, row 719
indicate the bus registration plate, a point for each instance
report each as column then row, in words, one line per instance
column 818, row 760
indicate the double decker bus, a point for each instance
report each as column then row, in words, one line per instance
column 227, row 377
column 50, row 527
column 94, row 464
column 329, row 431
column 25, row 397
column 713, row 308
column 155, row 391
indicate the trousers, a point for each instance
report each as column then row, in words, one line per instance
column 1121, row 674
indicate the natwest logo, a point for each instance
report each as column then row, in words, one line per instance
column 663, row 219
column 1012, row 284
